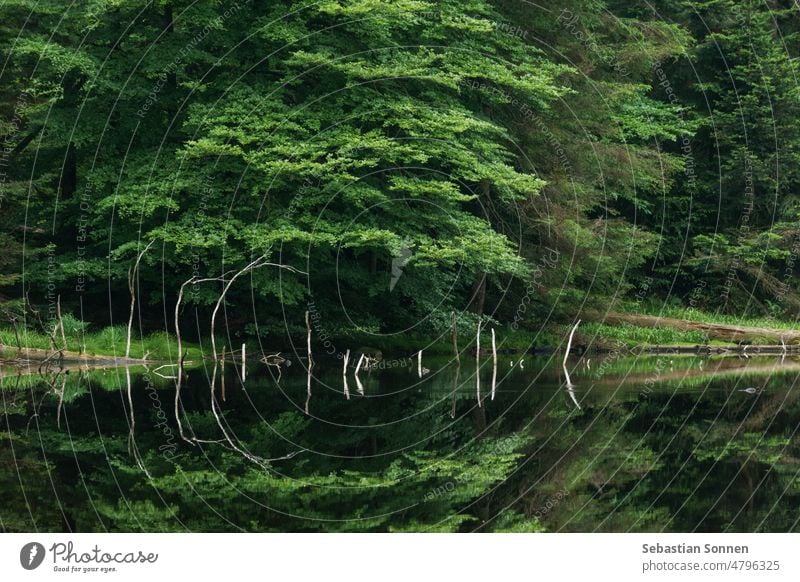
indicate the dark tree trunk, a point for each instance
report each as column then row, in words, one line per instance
column 478, row 294
column 69, row 174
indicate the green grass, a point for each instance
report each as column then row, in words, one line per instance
column 79, row 382
column 632, row 335
column 109, row 341
column 690, row 314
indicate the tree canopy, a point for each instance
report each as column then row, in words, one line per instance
column 413, row 158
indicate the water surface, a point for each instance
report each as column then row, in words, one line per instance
column 653, row 443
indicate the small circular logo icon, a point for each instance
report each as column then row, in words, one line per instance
column 31, row 555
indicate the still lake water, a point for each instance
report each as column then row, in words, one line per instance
column 653, row 443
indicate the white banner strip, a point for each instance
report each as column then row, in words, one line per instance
column 396, row 557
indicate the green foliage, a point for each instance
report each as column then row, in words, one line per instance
column 336, row 142
column 109, row 341
column 631, row 335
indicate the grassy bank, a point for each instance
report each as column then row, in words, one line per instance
column 109, row 341
column 690, row 314
column 602, row 335
column 680, row 326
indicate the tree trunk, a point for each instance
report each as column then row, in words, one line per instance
column 477, row 296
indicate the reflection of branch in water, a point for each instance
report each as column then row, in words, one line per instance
column 308, row 387
column 60, row 400
column 359, row 385
column 344, row 374
column 571, row 392
column 56, row 354
column 569, row 342
column 160, row 375
column 33, row 399
column 133, row 450
column 570, row 387
column 35, row 410
column 261, row 462
column 280, row 372
column 455, row 389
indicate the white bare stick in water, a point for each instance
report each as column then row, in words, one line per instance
column 259, row 262
column 570, row 385
column 783, row 346
column 358, row 365
column 569, row 341
column 419, row 363
column 244, row 369
column 179, row 382
column 494, row 364
column 133, row 273
column 478, row 363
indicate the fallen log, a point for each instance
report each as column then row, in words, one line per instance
column 719, row 331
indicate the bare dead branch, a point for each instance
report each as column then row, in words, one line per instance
column 133, row 273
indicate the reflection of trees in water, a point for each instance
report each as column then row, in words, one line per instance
column 400, row 458
column 366, row 478
column 710, row 460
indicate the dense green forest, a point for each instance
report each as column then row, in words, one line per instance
column 378, row 176
column 410, row 159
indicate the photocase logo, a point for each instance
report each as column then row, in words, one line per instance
column 31, row 555
column 398, row 262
